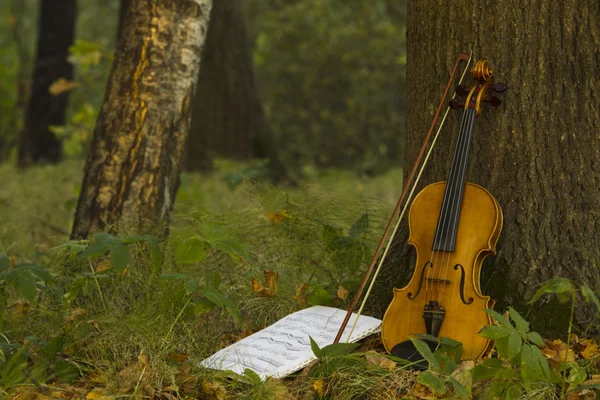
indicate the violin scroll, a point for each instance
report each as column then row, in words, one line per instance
column 485, row 91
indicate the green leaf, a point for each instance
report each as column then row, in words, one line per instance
column 494, row 332
column 360, row 226
column 535, row 338
column 23, row 281
column 216, row 280
column 425, row 351
column 253, row 376
column 315, row 348
column 338, row 349
column 235, row 313
column 432, row 381
column 191, row 285
column 4, row 262
column 154, row 249
column 451, row 347
column 65, row 372
column 554, row 285
column 447, row 364
column 319, row 297
column 487, row 369
column 214, row 295
column 588, row 294
column 171, row 276
column 119, row 255
column 75, row 246
column 2, row 357
column 546, row 373
column 12, row 373
column 502, row 320
column 530, row 369
column 509, row 346
column 191, row 250
column 231, row 247
column 203, row 305
column 36, row 270
column 75, row 288
column 577, row 375
column 102, row 243
column 521, row 324
column 459, row 390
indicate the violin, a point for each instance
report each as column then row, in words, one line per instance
column 453, row 226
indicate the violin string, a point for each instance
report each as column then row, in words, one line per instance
column 468, row 134
column 405, row 207
column 440, row 230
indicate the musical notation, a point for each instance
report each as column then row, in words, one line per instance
column 284, row 347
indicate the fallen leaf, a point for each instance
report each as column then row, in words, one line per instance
column 76, row 313
column 214, row 389
column 319, row 386
column 61, row 85
column 277, row 218
column 380, row 361
column 342, row 292
column 271, row 282
column 178, row 357
column 97, row 396
column 103, row 266
column 590, row 350
column 13, row 260
column 300, row 298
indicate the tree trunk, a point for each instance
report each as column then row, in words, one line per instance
column 537, row 153
column 230, row 121
column 123, row 9
column 55, row 36
column 132, row 170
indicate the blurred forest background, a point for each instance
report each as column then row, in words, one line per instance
column 332, row 98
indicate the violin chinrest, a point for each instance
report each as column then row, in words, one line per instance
column 406, row 350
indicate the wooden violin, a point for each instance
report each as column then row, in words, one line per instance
column 453, row 226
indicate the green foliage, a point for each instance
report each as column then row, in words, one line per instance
column 331, row 75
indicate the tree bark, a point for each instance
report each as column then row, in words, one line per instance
column 537, row 153
column 55, row 36
column 123, row 9
column 132, row 170
column 230, row 122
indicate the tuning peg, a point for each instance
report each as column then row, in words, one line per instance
column 495, row 101
column 499, row 87
column 462, row 90
column 454, row 103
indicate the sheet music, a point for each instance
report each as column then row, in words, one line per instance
column 284, row 347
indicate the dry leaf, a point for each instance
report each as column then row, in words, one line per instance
column 12, row 21
column 319, row 386
column 13, row 260
column 271, row 282
column 300, row 298
column 214, row 389
column 179, row 357
column 97, row 396
column 61, row 85
column 77, row 313
column 103, row 266
column 590, row 350
column 277, row 218
column 342, row 292
column 381, row 361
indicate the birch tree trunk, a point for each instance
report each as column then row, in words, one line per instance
column 55, row 36
column 132, row 170
column 231, row 121
column 538, row 153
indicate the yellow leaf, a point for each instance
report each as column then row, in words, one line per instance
column 97, row 396
column 61, row 85
column 214, row 389
column 277, row 218
column 299, row 297
column 380, row 361
column 77, row 313
column 319, row 386
column 271, row 281
column 179, row 357
column 590, row 350
column 103, row 266
column 13, row 260
column 342, row 292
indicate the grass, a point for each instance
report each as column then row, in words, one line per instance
column 131, row 335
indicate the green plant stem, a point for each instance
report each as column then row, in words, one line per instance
column 98, row 286
column 177, row 319
column 563, row 388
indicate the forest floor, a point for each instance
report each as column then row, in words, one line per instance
column 110, row 325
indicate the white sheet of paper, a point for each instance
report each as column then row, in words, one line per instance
column 284, row 347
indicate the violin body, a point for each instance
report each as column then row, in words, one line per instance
column 450, row 278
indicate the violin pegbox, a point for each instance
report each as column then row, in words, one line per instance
column 484, row 91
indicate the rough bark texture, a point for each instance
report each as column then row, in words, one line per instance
column 132, row 171
column 123, row 9
column 229, row 122
column 538, row 153
column 55, row 36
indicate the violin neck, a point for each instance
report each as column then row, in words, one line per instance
column 445, row 235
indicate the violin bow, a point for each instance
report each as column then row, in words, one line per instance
column 403, row 195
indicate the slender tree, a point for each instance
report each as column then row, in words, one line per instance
column 537, row 153
column 123, row 9
column 55, row 36
column 228, row 118
column 132, row 171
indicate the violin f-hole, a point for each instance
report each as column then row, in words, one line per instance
column 410, row 295
column 462, row 284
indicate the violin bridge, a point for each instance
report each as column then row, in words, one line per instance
column 434, row 315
